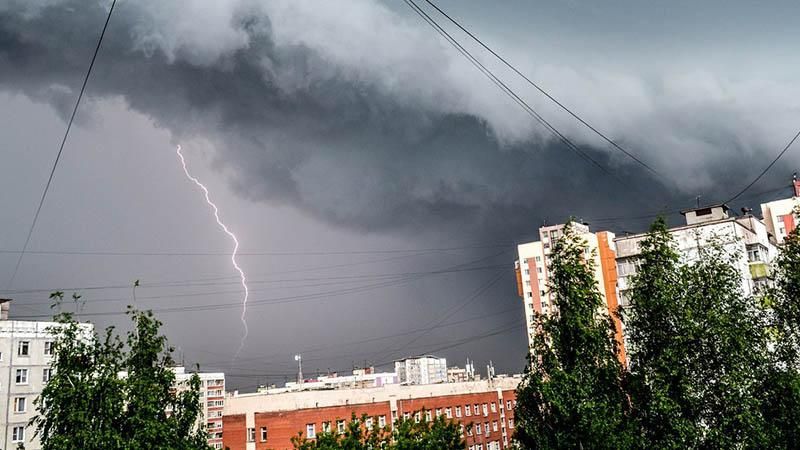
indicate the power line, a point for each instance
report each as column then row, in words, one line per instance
column 508, row 91
column 766, row 169
column 61, row 147
column 287, row 299
column 296, row 253
column 540, row 89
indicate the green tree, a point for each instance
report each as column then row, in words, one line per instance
column 572, row 393
column 660, row 383
column 697, row 348
column 87, row 404
column 407, row 434
column 780, row 388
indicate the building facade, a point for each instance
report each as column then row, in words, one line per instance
column 263, row 421
column 26, row 352
column 745, row 238
column 426, row 369
column 779, row 216
column 533, row 272
column 212, row 397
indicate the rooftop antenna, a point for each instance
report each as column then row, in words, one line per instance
column 299, row 359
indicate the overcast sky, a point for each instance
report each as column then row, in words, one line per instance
column 376, row 180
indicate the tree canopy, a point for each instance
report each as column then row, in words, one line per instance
column 106, row 394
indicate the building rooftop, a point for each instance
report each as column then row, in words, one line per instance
column 289, row 401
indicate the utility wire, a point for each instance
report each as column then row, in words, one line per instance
column 540, row 89
column 61, row 147
column 206, row 253
column 766, row 169
column 508, row 91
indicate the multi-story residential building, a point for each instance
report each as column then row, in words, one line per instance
column 260, row 421
column 746, row 238
column 26, row 351
column 533, row 272
column 212, row 397
column 779, row 216
column 425, row 369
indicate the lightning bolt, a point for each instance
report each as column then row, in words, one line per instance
column 233, row 254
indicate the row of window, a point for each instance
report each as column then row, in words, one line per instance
column 494, row 445
column 486, row 429
column 24, row 349
column 22, row 375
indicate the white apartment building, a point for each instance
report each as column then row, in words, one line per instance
column 212, row 397
column 533, row 273
column 745, row 237
column 426, row 369
column 779, row 216
column 26, row 351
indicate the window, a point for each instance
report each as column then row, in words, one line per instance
column 493, row 406
column 326, row 427
column 427, row 416
column 476, row 408
column 46, row 374
column 23, row 348
column 461, row 427
column 48, row 348
column 469, row 430
column 263, row 434
column 539, row 269
column 494, row 425
column 20, row 404
column 538, row 259
column 438, row 412
column 448, row 413
column 530, row 294
column 368, row 423
column 251, row 435
column 340, row 426
column 486, row 428
column 213, row 403
column 217, row 446
column 22, row 376
column 458, row 411
column 508, row 404
column 311, row 431
column 381, row 421
column 527, row 271
column 510, row 423
column 18, row 434
column 467, row 410
column 417, row 417
column 478, row 429
column 485, row 410
column 478, row 446
column 406, row 416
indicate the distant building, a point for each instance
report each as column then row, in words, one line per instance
column 779, row 216
column 360, row 379
column 458, row 374
column 426, row 369
column 746, row 238
column 26, row 352
column 533, row 272
column 261, row 421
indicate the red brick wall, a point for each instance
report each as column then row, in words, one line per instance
column 234, row 431
column 283, row 425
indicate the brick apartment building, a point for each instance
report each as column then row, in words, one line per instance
column 261, row 421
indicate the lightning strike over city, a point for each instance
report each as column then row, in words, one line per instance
column 235, row 240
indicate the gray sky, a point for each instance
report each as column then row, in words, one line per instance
column 336, row 135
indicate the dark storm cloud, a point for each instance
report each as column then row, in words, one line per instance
column 343, row 129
